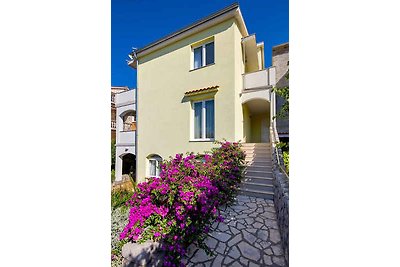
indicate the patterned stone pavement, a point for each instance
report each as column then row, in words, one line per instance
column 249, row 236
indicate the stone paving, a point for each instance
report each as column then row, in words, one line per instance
column 249, row 236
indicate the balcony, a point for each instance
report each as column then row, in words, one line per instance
column 262, row 79
column 112, row 99
column 126, row 138
column 125, row 98
column 113, row 125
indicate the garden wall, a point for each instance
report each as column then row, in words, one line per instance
column 281, row 200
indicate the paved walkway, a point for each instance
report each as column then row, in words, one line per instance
column 249, row 236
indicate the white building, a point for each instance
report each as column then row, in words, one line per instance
column 125, row 160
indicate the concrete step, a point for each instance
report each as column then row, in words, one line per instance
column 256, row 193
column 259, row 168
column 260, row 180
column 258, row 173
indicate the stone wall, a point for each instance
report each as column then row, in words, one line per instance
column 281, row 201
column 280, row 60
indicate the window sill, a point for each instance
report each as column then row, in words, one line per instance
column 202, row 140
column 202, row 67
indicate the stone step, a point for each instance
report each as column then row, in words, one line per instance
column 258, row 155
column 259, row 168
column 256, row 144
column 255, row 179
column 256, row 193
column 262, row 162
column 257, row 186
column 267, row 164
column 256, row 148
column 258, row 173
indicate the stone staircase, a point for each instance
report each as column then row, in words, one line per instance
column 258, row 181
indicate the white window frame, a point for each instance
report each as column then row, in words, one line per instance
column 203, row 121
column 157, row 160
column 203, row 58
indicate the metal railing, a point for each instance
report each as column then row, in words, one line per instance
column 278, row 152
column 113, row 125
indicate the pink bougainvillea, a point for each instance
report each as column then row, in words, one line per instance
column 177, row 208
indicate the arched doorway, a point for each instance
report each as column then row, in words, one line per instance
column 129, row 164
column 256, row 121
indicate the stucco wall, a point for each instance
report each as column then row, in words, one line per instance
column 163, row 112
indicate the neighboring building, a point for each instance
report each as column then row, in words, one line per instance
column 202, row 83
column 280, row 60
column 115, row 90
column 125, row 114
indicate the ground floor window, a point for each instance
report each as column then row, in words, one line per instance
column 203, row 120
column 154, row 165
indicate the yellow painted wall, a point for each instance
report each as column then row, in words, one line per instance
column 257, row 122
column 239, row 70
column 256, row 129
column 164, row 114
column 246, row 124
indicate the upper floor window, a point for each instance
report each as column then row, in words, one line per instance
column 203, row 55
column 203, row 120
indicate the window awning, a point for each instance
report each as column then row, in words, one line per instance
column 205, row 90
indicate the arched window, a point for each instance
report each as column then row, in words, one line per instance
column 154, row 165
column 129, row 121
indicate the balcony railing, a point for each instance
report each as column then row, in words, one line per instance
column 259, row 79
column 129, row 126
column 113, row 125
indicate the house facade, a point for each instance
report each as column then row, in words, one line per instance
column 202, row 83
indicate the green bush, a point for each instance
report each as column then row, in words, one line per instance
column 285, row 156
column 119, row 197
column 112, row 176
column 113, row 150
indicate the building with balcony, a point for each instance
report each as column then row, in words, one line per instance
column 280, row 61
column 115, row 90
column 125, row 129
column 202, row 83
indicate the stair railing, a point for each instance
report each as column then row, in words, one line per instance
column 278, row 152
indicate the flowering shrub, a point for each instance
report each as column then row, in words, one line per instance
column 177, row 208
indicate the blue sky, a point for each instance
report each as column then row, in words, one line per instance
column 136, row 23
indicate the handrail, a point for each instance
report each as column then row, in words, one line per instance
column 275, row 139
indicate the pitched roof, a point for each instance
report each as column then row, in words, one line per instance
column 209, row 89
column 230, row 11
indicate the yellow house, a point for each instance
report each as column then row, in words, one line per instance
column 202, row 83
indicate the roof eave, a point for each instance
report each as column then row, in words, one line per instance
column 213, row 19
